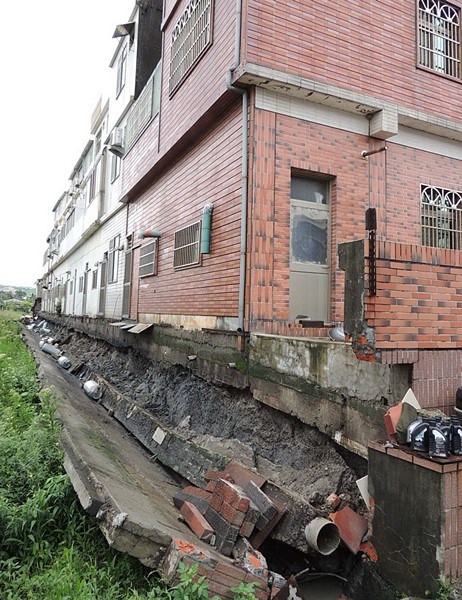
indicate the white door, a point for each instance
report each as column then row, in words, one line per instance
column 309, row 293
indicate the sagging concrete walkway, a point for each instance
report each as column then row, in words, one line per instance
column 119, row 483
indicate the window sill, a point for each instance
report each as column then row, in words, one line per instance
column 438, row 74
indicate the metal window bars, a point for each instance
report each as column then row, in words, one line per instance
column 439, row 37
column 441, row 217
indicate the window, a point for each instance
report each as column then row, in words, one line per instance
column 148, row 259
column 94, row 281
column 187, row 245
column 93, row 182
column 441, row 217
column 191, row 36
column 115, row 167
column 71, row 288
column 309, row 220
column 113, row 260
column 121, row 71
column 80, row 284
column 439, row 37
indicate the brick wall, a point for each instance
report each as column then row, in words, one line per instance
column 364, row 45
column 418, row 302
column 206, row 82
column 210, row 172
column 282, row 143
column 389, row 181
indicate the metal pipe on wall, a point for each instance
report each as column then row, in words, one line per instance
column 245, row 156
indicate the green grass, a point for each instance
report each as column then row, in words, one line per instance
column 49, row 548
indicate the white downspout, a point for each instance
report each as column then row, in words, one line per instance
column 245, row 171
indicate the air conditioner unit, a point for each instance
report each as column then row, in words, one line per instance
column 117, row 137
column 116, row 141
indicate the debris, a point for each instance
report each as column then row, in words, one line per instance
column 409, row 398
column 391, row 418
column 92, row 389
column 322, row 535
column 159, row 435
column 52, row 350
column 196, row 521
column 290, row 591
column 363, row 488
column 352, row 527
column 64, row 362
column 333, row 500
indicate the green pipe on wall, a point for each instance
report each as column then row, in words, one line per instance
column 206, row 228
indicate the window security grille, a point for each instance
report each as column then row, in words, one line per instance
column 148, row 256
column 187, row 246
column 191, row 36
column 441, row 217
column 439, row 37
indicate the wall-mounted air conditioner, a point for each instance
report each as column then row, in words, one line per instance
column 116, row 141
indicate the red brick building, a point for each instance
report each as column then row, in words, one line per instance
column 346, row 106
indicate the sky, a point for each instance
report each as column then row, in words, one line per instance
column 54, row 66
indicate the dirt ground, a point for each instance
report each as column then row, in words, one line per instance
column 229, row 421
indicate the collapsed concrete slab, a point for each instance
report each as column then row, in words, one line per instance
column 129, row 494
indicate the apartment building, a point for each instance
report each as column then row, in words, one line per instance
column 278, row 168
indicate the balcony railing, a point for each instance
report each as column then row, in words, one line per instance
column 144, row 109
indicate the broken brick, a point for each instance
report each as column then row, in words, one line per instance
column 197, row 496
column 211, row 485
column 258, row 537
column 241, row 476
column 216, row 502
column 246, row 529
column 213, row 475
column 352, row 527
column 369, row 550
column 333, row 501
column 226, row 534
column 233, row 494
column 182, row 551
column 196, row 521
column 232, row 515
column 266, row 507
column 250, row 559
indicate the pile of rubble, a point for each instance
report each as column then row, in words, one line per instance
column 230, row 507
column 235, row 515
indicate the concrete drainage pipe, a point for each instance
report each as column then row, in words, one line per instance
column 92, row 389
column 322, row 535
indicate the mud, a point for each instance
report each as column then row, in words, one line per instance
column 226, row 420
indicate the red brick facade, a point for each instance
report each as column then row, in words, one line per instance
column 364, row 46
column 191, row 155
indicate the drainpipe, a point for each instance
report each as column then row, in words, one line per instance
column 206, row 228
column 245, row 174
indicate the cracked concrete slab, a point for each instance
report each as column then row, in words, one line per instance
column 116, row 479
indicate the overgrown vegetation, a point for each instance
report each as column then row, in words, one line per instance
column 49, row 548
